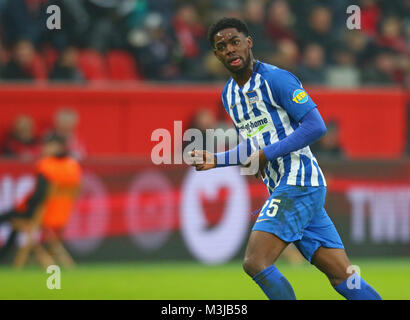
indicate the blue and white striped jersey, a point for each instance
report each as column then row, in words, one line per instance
column 267, row 109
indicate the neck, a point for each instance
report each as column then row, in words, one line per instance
column 242, row 76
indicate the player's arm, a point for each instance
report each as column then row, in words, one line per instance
column 289, row 93
column 205, row 160
column 37, row 198
column 235, row 156
column 311, row 128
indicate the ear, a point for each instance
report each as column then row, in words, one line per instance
column 250, row 42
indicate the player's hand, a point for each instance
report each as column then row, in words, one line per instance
column 258, row 157
column 202, row 160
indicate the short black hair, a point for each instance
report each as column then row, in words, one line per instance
column 226, row 23
column 54, row 137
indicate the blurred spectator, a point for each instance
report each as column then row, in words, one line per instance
column 319, row 30
column 255, row 19
column 369, row 17
column 227, row 8
column 329, row 144
column 20, row 67
column 112, row 20
column 65, row 125
column 286, row 55
column 189, row 30
column 391, row 35
column 280, row 21
column 21, row 141
column 381, row 71
column 359, row 44
column 344, row 57
column 312, row 69
column 191, row 36
column 343, row 71
column 65, row 69
column 156, row 48
column 24, row 19
column 167, row 38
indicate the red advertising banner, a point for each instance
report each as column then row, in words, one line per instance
column 130, row 208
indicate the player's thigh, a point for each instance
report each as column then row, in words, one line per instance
column 333, row 262
column 262, row 250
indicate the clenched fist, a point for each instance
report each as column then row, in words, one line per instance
column 202, row 160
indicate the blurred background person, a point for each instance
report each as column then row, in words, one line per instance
column 23, row 65
column 157, row 47
column 65, row 125
column 111, row 21
column 312, row 69
column 381, row 71
column 370, row 16
column 255, row 18
column 21, row 141
column 319, row 30
column 166, row 38
column 285, row 56
column 24, row 19
column 358, row 44
column 63, row 175
column 280, row 21
column 191, row 36
column 343, row 72
column 47, row 208
column 329, row 145
column 391, row 35
column 65, row 68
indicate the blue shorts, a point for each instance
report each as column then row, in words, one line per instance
column 296, row 214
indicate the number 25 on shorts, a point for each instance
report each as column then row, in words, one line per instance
column 273, row 207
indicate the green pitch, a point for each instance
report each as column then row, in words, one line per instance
column 191, row 280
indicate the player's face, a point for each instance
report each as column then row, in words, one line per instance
column 233, row 49
column 51, row 149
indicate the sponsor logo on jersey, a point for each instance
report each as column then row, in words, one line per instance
column 252, row 128
column 300, row 96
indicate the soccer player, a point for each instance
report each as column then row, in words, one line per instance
column 278, row 121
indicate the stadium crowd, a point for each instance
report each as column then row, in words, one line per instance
column 24, row 140
column 165, row 40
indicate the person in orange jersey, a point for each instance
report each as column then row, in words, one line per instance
column 48, row 208
column 64, row 175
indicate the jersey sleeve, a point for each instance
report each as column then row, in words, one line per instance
column 288, row 92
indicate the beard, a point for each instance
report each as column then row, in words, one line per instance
column 244, row 67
